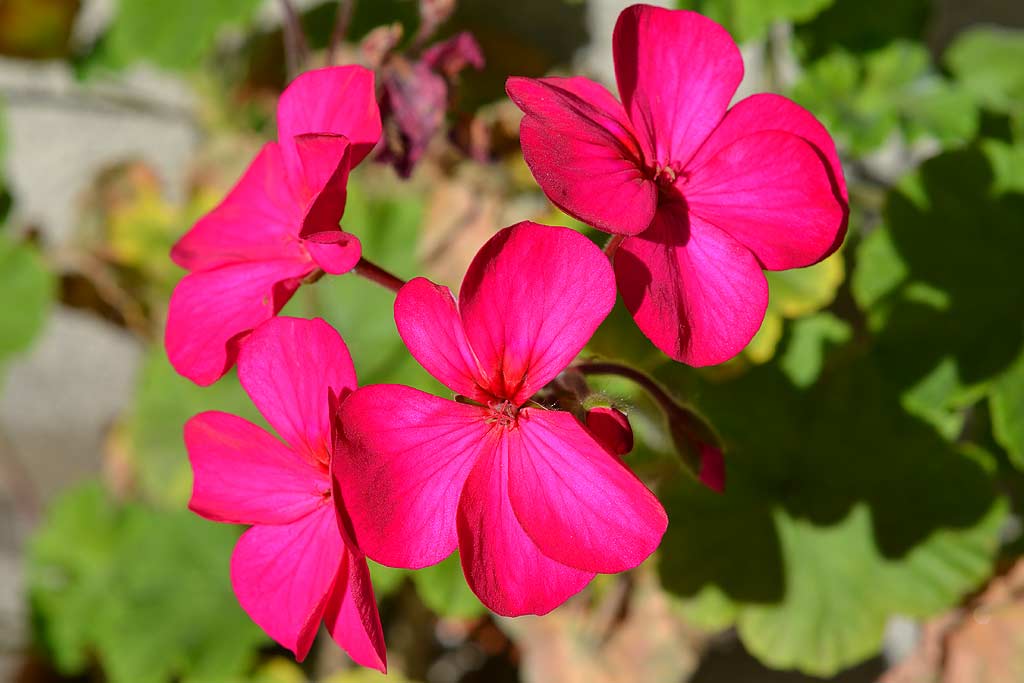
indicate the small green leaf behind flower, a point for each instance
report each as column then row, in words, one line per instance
column 27, row 290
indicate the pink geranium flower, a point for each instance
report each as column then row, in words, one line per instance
column 278, row 225
column 295, row 567
column 706, row 196
column 535, row 504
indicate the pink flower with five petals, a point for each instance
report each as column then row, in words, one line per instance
column 706, row 195
column 280, row 223
column 534, row 502
column 295, row 567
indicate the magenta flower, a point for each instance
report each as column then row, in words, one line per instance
column 706, row 196
column 295, row 567
column 278, row 225
column 535, row 504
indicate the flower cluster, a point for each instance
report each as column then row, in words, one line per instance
column 529, row 486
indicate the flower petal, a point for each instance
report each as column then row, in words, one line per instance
column 258, row 220
column 352, row 618
column 402, row 459
column 428, row 322
column 289, row 367
column 677, row 72
column 339, row 100
column 767, row 111
column 579, row 504
column 282, row 575
column 210, row 312
column 243, row 475
column 337, row 258
column 531, row 299
column 771, row 191
column 696, row 292
column 712, row 468
column 320, row 179
column 580, row 145
column 503, row 566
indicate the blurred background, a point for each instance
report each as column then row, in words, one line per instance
column 874, row 428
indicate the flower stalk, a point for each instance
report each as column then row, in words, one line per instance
column 374, row 273
column 698, row 446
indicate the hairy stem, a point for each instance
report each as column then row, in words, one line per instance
column 647, row 383
column 371, row 271
column 685, row 426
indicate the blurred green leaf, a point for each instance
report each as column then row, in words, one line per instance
column 935, row 108
column 618, row 338
column 443, row 589
column 174, row 34
column 1007, row 165
column 864, row 25
column 841, row 510
column 386, row 580
column 989, row 62
column 279, row 670
column 808, row 344
column 164, row 402
column 1007, row 400
column 146, row 592
column 362, row 675
column 879, row 271
column 27, row 290
column 793, row 294
column 940, row 280
column 750, row 19
column 863, row 100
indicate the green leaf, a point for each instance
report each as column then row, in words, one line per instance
column 164, row 402
column 879, row 272
column 386, row 580
column 863, row 100
column 840, row 590
column 750, row 19
column 793, row 294
column 1007, row 165
column 810, row 338
column 841, row 510
column 936, row 108
column 940, row 280
column 174, row 34
column 989, row 62
column 864, row 26
column 1007, row 401
column 618, row 338
column 443, row 588
column 146, row 592
column 27, row 290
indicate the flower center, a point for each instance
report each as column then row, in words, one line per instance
column 666, row 174
column 504, row 413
